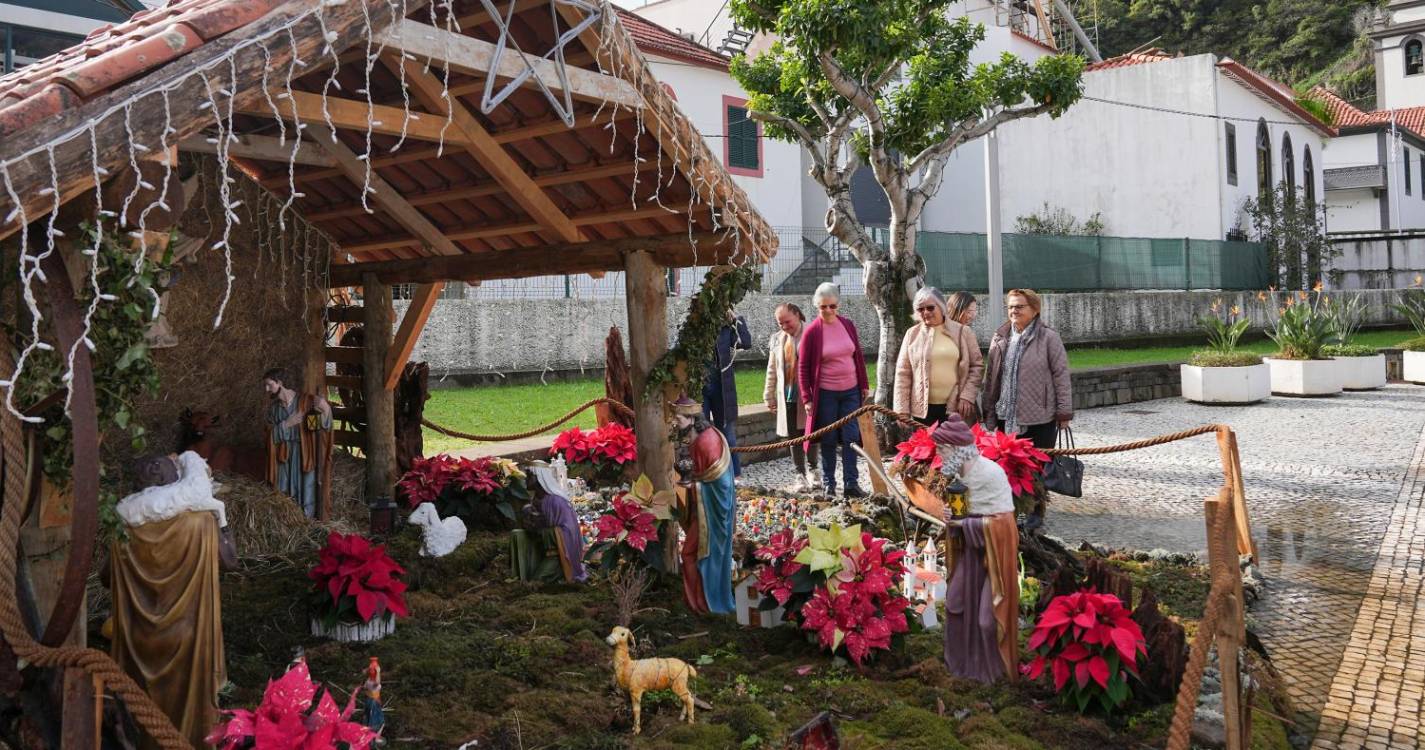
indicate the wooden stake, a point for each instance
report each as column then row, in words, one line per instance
column 380, row 403
column 1245, row 543
column 872, row 446
column 81, row 711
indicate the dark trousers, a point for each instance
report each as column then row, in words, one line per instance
column 1043, row 435
column 933, row 413
column 714, row 412
column 795, row 419
column 831, row 406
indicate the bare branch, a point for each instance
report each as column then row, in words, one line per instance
column 809, row 142
column 886, row 76
column 969, row 131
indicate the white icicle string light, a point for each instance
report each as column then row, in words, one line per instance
column 296, row 137
column 370, row 109
column 267, row 95
column 401, row 72
column 327, row 38
column 224, row 125
column 26, row 285
column 451, row 28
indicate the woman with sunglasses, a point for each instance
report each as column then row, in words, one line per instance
column 939, row 369
column 831, row 374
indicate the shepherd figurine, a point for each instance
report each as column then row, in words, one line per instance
column 299, row 443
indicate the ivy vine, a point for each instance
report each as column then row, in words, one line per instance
column 696, row 344
column 123, row 364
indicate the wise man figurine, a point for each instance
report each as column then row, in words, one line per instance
column 704, row 466
column 299, row 443
column 982, row 565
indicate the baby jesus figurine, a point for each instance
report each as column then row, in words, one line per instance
column 982, row 597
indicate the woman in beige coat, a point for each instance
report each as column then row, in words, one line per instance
column 780, row 391
column 940, row 366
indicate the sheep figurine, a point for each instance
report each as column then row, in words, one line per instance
column 439, row 536
column 638, row 676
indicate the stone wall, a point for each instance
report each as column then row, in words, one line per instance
column 552, row 337
column 1113, row 386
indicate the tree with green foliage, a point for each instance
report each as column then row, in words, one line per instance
column 887, row 84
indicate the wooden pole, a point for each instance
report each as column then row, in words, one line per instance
column 314, row 359
column 380, row 403
column 1231, row 627
column 872, row 446
column 647, row 341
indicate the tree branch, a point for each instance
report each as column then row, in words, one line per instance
column 810, row 142
column 969, row 131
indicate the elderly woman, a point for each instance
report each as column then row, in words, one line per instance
column 940, row 366
column 963, row 308
column 1027, row 389
column 831, row 373
column 781, row 393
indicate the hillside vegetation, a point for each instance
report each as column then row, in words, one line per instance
column 1300, row 42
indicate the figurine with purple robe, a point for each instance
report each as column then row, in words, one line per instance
column 982, row 597
column 555, row 512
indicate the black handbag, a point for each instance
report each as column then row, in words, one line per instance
column 1065, row 474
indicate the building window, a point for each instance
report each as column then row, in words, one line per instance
column 1308, row 177
column 1231, row 154
column 23, row 45
column 742, row 146
column 1288, row 167
column 1405, row 152
column 1264, row 164
column 1414, row 57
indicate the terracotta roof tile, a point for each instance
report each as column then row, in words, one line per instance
column 1151, row 55
column 116, row 53
column 658, row 40
column 1346, row 115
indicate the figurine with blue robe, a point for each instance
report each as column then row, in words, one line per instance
column 709, row 512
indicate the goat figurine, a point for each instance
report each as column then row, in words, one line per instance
column 439, row 536
column 638, row 676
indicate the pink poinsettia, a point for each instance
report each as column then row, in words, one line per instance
column 350, row 565
column 629, row 522
column 1021, row 461
column 1090, row 643
column 859, row 606
column 285, row 719
column 920, row 448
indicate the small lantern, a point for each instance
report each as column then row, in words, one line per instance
column 383, row 516
column 313, row 420
column 955, row 499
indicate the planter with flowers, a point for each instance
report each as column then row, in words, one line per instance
column 838, row 584
column 918, row 465
column 630, row 532
column 1412, row 306
column 483, row 492
column 356, row 593
column 291, row 715
column 1303, row 330
column 1090, row 644
column 1220, row 374
column 1362, row 367
column 602, row 457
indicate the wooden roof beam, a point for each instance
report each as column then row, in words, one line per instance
column 351, row 114
column 262, row 148
column 491, row 156
column 523, row 226
column 412, row 323
column 385, row 195
column 671, row 250
column 465, row 54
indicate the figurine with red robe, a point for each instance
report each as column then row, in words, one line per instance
column 982, row 596
column 299, row 444
column 704, row 467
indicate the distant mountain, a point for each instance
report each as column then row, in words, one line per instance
column 1299, row 42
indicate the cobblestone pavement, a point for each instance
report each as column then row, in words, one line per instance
column 1325, row 479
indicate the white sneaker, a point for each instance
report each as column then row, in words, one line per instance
column 813, row 481
column 797, row 486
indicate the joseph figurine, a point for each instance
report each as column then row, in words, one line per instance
column 704, row 464
column 299, row 444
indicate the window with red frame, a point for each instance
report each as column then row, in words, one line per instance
column 743, row 149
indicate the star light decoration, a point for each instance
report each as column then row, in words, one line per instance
column 565, row 108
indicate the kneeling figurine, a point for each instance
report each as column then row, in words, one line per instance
column 638, row 676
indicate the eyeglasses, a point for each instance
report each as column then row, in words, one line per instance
column 1012, row 308
column 927, row 308
column 827, row 307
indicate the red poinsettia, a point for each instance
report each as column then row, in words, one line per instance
column 1021, row 461
column 479, row 475
column 1092, row 638
column 629, row 522
column 573, row 445
column 920, row 448
column 614, row 442
column 426, row 479
column 859, row 605
column 356, row 580
column 285, row 719
column 774, row 578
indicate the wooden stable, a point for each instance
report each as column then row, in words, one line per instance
column 371, row 128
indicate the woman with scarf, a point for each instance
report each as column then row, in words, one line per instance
column 939, row 369
column 1027, row 390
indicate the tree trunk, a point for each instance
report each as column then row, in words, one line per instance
column 886, row 288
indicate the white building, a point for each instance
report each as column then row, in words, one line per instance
column 34, row 29
column 1375, row 169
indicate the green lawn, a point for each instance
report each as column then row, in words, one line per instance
column 504, row 409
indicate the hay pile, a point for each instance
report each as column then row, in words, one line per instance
column 269, row 528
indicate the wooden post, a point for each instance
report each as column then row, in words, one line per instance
column 872, row 446
column 647, row 298
column 1231, row 627
column 82, row 698
column 314, row 358
column 380, row 403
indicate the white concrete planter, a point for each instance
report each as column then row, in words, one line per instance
column 1362, row 373
column 1305, row 377
column 1226, row 385
column 378, row 628
column 1414, row 369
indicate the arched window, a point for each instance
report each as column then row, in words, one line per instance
column 1288, row 167
column 1308, row 177
column 1264, row 163
column 1414, row 57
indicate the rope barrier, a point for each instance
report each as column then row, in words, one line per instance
column 617, row 406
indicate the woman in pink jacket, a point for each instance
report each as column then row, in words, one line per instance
column 939, row 369
column 831, row 373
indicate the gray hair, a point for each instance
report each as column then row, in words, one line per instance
column 929, row 294
column 825, row 290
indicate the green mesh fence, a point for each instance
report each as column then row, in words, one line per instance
column 1086, row 264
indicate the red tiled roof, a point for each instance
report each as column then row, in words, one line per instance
column 1346, row 115
column 658, row 40
column 1038, row 43
column 1132, row 58
column 115, row 53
